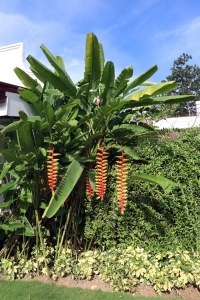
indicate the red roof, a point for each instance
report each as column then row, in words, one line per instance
column 7, row 87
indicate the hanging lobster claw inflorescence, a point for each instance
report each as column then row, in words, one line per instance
column 89, row 190
column 52, row 169
column 101, row 172
column 122, row 181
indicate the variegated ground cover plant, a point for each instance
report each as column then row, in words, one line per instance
column 123, row 269
column 59, row 155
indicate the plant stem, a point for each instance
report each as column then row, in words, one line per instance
column 59, row 234
column 41, row 241
column 64, row 231
column 106, row 206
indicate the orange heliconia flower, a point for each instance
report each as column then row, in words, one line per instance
column 89, row 190
column 52, row 169
column 122, row 181
column 101, row 172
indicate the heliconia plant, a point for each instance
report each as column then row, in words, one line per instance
column 94, row 114
column 52, row 169
column 122, row 181
column 89, row 190
column 101, row 172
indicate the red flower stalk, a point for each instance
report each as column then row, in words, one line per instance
column 67, row 202
column 52, row 169
column 89, row 190
column 122, row 181
column 101, row 172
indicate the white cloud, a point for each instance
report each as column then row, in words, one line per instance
column 143, row 6
column 17, row 28
column 182, row 39
column 66, row 35
column 169, row 45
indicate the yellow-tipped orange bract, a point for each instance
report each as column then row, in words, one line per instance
column 52, row 166
column 122, row 181
column 101, row 172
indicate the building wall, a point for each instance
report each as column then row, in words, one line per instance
column 1, row 161
column 12, row 56
column 180, row 122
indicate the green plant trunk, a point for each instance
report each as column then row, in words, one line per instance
column 41, row 241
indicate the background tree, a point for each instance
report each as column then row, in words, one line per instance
column 187, row 78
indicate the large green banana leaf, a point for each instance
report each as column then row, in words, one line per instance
column 139, row 80
column 92, row 59
column 61, row 62
column 62, row 74
column 101, row 57
column 53, row 92
column 38, row 75
column 64, row 110
column 173, row 99
column 7, row 186
column 6, row 168
column 153, row 90
column 121, row 82
column 21, row 227
column 64, row 189
column 98, row 116
column 29, row 82
column 12, row 127
column 107, row 82
column 25, row 138
column 48, row 75
column 129, row 126
column 11, row 156
column 148, row 83
column 49, row 114
column 15, row 125
column 165, row 183
column 82, row 90
column 157, row 100
column 32, row 98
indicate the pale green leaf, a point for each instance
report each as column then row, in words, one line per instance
column 153, row 90
column 139, row 80
column 64, row 189
column 165, row 183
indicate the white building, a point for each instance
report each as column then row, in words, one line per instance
column 179, row 122
column 11, row 56
column 10, row 103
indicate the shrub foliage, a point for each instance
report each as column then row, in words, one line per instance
column 152, row 219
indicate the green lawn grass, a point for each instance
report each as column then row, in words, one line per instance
column 35, row 290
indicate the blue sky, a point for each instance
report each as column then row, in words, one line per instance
column 140, row 33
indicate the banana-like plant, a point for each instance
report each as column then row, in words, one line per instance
column 79, row 122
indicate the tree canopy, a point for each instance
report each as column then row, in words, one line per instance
column 187, row 78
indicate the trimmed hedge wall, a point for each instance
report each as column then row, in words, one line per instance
column 153, row 219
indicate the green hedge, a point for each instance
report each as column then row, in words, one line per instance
column 153, row 219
